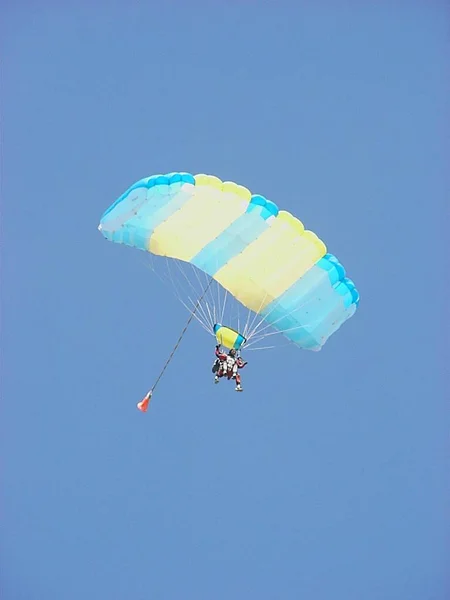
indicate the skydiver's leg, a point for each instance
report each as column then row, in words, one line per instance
column 216, row 369
column 238, row 387
column 219, row 373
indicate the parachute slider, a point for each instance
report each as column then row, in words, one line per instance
column 230, row 338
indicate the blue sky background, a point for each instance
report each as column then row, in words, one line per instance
column 328, row 478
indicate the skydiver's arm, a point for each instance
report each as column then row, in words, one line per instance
column 220, row 355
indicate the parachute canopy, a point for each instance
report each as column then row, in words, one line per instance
column 260, row 255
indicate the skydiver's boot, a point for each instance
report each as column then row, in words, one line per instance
column 216, row 379
column 238, row 388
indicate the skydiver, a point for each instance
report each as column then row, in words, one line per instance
column 227, row 365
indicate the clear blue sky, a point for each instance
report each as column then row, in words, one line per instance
column 328, row 478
